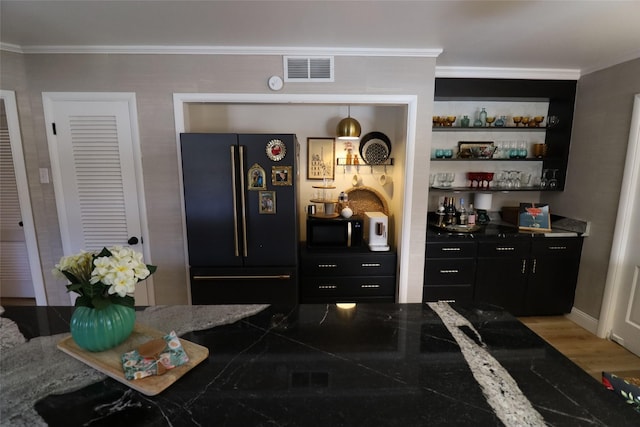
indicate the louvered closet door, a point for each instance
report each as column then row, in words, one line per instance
column 97, row 174
column 15, row 274
column 93, row 164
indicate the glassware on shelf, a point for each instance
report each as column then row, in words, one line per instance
column 513, row 150
column 517, row 120
column 552, row 121
column 501, row 122
column 544, row 179
column 553, row 182
column 483, row 117
column 448, row 153
column 525, row 121
column 490, row 120
column 537, row 120
column 439, row 153
column 522, row 149
column 464, row 122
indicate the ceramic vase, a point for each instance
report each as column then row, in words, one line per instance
column 99, row 330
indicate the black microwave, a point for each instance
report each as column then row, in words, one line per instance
column 335, row 232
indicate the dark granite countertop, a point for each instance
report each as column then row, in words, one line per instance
column 314, row 365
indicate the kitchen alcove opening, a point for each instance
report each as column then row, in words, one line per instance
column 317, row 121
column 407, row 202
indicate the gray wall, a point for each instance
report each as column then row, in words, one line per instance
column 602, row 120
column 154, row 78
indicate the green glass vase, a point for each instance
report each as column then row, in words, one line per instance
column 99, row 330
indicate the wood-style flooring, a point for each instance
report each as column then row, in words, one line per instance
column 585, row 349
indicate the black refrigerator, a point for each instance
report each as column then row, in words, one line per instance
column 241, row 217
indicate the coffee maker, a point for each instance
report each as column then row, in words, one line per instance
column 376, row 225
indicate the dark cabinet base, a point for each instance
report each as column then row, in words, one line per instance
column 348, row 275
column 245, row 286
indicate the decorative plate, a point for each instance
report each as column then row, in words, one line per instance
column 276, row 150
column 375, row 148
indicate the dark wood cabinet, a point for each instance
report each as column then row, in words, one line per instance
column 350, row 275
column 528, row 276
column 450, row 269
column 501, row 277
column 553, row 275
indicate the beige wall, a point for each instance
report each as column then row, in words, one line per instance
column 154, row 78
column 602, row 120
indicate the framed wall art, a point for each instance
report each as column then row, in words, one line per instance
column 281, row 175
column 320, row 158
column 267, row 202
column 256, row 178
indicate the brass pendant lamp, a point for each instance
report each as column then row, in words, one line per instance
column 348, row 129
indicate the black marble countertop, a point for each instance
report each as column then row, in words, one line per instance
column 318, row 365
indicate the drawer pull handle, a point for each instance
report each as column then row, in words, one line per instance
column 371, row 264
column 557, row 248
column 327, row 286
column 370, row 285
column 505, row 248
column 327, row 265
column 451, row 249
column 449, row 271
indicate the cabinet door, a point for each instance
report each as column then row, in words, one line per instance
column 501, row 273
column 553, row 276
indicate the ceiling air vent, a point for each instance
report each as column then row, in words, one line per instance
column 308, row 68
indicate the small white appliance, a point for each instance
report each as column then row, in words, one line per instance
column 376, row 226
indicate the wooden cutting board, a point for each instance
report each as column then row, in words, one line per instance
column 109, row 361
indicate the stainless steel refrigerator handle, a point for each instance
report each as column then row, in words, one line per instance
column 235, row 203
column 243, row 203
column 276, row 276
column 349, row 234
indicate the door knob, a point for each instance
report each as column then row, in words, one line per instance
column 132, row 240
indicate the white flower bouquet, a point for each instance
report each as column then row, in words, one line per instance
column 104, row 278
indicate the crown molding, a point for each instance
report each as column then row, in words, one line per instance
column 221, row 50
column 8, row 47
column 509, row 73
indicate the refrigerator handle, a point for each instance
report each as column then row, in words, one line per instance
column 243, row 203
column 235, row 202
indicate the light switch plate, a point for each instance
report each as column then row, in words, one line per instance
column 44, row 175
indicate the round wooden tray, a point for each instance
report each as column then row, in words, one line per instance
column 322, row 215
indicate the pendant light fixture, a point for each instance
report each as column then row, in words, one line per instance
column 348, row 129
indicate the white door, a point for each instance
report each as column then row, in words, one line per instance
column 97, row 177
column 621, row 305
column 20, row 272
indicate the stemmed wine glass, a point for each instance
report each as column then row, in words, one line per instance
column 490, row 120
column 538, row 120
column 553, row 182
column 525, row 121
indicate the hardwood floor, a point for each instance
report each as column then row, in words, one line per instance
column 586, row 350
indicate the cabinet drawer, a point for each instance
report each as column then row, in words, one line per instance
column 449, row 271
column 451, row 249
column 361, row 264
column 345, row 287
column 557, row 246
column 511, row 248
column 448, row 293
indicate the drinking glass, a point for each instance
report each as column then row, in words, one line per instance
column 517, row 120
column 522, row 149
column 553, row 182
column 490, row 120
column 544, row 179
column 439, row 153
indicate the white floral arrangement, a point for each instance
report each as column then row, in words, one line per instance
column 104, row 278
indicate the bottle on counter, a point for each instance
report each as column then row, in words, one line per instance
column 441, row 214
column 471, row 215
column 450, row 211
column 464, row 218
